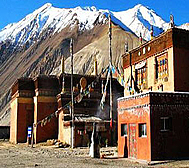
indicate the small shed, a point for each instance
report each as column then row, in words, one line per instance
column 154, row 126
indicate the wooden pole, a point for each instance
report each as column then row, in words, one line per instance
column 32, row 137
column 130, row 55
column 62, row 72
column 62, row 64
column 72, row 96
column 110, row 66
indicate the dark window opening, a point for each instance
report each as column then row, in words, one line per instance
column 142, row 130
column 123, row 129
column 166, row 123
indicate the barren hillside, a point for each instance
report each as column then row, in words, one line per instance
column 43, row 57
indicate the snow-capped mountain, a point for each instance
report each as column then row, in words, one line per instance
column 51, row 18
column 140, row 18
column 184, row 26
column 136, row 20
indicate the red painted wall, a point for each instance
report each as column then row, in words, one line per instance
column 134, row 116
column 24, row 119
column 50, row 130
column 160, row 144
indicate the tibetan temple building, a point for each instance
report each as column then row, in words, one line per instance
column 35, row 99
column 153, row 115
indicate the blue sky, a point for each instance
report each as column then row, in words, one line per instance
column 14, row 10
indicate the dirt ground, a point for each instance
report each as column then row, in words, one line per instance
column 50, row 156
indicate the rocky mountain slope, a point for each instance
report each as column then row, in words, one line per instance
column 36, row 44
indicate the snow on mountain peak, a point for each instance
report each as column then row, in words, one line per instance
column 42, row 8
column 92, row 8
column 184, row 26
column 138, row 6
column 47, row 5
column 49, row 17
column 136, row 20
column 140, row 18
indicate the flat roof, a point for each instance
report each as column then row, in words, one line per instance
column 151, row 92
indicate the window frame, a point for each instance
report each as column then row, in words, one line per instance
column 141, row 77
column 123, row 129
column 161, row 67
column 169, row 124
column 140, row 128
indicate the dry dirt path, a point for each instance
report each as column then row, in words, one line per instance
column 18, row 156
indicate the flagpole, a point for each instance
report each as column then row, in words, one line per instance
column 110, row 66
column 72, row 96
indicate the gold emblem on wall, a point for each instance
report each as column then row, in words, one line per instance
column 83, row 83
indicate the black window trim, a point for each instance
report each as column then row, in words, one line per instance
column 125, row 135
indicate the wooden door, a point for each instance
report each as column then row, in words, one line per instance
column 132, row 141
